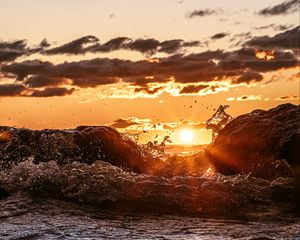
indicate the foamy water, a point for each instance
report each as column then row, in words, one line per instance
column 95, row 201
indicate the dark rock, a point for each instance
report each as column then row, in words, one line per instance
column 254, row 141
column 84, row 144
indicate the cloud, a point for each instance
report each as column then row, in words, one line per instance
column 37, row 81
column 175, row 45
column 140, row 124
column 9, row 51
column 111, row 45
column 193, row 89
column 219, row 36
column 52, row 92
column 133, row 123
column 288, row 40
column 201, row 13
column 283, row 8
column 13, row 90
column 279, row 27
column 287, row 98
column 77, row 46
column 147, row 46
column 240, row 38
column 176, row 74
column 126, row 122
column 249, row 76
column 7, row 90
column 185, row 69
column 44, row 43
column 245, row 98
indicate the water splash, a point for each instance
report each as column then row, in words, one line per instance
column 218, row 121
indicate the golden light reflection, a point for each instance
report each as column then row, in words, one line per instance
column 267, row 55
column 152, row 60
column 5, row 136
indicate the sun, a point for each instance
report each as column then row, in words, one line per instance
column 186, row 136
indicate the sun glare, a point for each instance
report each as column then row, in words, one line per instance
column 186, row 136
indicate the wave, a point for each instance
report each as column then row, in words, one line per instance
column 209, row 194
column 101, row 167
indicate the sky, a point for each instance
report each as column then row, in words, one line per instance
column 151, row 67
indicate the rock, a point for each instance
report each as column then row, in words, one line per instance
column 84, row 144
column 251, row 143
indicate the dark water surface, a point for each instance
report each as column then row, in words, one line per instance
column 101, row 201
column 21, row 217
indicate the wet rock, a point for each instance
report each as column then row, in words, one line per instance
column 251, row 143
column 84, row 144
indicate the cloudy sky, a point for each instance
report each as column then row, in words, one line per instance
column 144, row 65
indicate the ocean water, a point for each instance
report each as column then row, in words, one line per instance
column 25, row 218
column 186, row 199
column 101, row 201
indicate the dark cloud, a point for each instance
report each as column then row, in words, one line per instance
column 288, row 39
column 146, row 46
column 187, row 68
column 11, row 90
column 175, row 45
column 124, row 123
column 112, row 45
column 44, row 43
column 249, row 76
column 52, row 92
column 16, row 45
column 201, row 13
column 84, row 82
column 192, row 89
column 276, row 27
column 37, row 81
column 32, row 67
column 14, row 89
column 75, row 47
column 241, row 66
column 171, row 46
column 219, row 36
column 140, row 124
column 239, row 39
column 281, row 9
column 9, row 51
column 286, row 98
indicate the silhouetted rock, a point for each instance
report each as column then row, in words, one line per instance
column 254, row 141
column 84, row 144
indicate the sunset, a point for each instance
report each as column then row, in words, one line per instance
column 106, row 104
